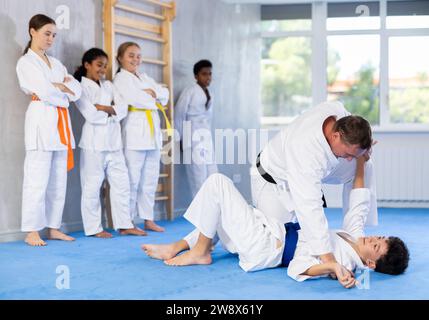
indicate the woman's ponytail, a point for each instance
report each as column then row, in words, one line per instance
column 27, row 47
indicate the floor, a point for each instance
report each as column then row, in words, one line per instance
column 117, row 269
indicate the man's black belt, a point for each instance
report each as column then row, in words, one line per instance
column 267, row 177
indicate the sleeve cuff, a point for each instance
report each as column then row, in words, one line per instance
column 298, row 267
column 320, row 246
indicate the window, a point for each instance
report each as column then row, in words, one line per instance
column 286, row 25
column 409, row 79
column 353, row 16
column 370, row 55
column 353, row 73
column 286, row 78
column 407, row 14
column 286, row 63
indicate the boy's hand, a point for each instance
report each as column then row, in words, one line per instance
column 367, row 154
column 344, row 276
column 67, row 79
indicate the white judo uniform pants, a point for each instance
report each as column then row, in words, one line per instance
column 95, row 166
column 200, row 168
column 44, row 189
column 269, row 197
column 219, row 211
column 143, row 168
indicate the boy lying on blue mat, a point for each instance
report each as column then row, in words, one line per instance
column 219, row 212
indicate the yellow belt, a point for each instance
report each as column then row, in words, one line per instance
column 149, row 117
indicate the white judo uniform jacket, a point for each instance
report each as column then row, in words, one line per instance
column 101, row 132
column 300, row 159
column 198, row 152
column 41, row 118
column 136, row 127
column 353, row 228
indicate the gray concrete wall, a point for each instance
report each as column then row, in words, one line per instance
column 226, row 34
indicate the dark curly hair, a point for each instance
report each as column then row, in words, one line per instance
column 395, row 261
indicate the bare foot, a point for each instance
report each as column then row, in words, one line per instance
column 103, row 234
column 133, row 232
column 150, row 225
column 33, row 239
column 161, row 251
column 189, row 258
column 55, row 234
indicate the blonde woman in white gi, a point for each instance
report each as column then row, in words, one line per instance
column 101, row 153
column 219, row 212
column 49, row 140
column 195, row 108
column 141, row 131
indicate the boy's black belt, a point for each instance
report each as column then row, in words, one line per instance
column 267, row 177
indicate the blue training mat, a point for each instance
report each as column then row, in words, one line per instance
column 118, row 269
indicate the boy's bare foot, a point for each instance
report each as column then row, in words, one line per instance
column 189, row 258
column 133, row 232
column 55, row 234
column 161, row 251
column 33, row 239
column 103, row 234
column 150, row 225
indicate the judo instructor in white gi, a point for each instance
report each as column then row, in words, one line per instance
column 320, row 146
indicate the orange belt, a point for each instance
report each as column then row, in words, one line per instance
column 63, row 130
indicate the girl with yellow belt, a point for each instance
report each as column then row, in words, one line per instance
column 141, row 131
